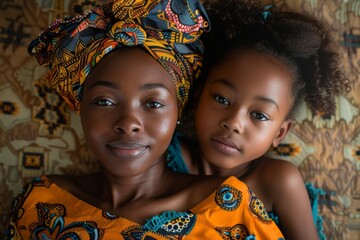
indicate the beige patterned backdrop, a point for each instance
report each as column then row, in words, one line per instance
column 40, row 135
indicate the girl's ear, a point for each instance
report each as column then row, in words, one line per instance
column 284, row 129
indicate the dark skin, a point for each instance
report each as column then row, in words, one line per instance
column 128, row 118
column 242, row 111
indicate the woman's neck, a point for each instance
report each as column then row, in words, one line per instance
column 133, row 188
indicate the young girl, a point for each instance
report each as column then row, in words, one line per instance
column 126, row 68
column 258, row 65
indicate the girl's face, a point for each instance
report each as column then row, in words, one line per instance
column 242, row 108
column 128, row 111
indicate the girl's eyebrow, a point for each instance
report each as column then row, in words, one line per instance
column 224, row 82
column 267, row 100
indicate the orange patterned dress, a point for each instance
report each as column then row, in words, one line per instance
column 45, row 211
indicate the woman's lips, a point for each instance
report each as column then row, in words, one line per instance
column 127, row 150
column 225, row 145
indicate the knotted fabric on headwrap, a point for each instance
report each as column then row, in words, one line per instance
column 168, row 29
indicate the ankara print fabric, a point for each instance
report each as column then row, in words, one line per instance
column 45, row 211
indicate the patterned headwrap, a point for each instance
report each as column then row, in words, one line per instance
column 167, row 29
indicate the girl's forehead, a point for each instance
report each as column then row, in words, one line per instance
column 252, row 73
column 244, row 55
column 250, row 64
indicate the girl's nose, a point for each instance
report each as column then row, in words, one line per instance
column 234, row 123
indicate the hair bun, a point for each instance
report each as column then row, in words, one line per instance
column 299, row 36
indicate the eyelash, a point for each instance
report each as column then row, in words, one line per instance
column 260, row 116
column 148, row 104
column 104, row 102
column 221, row 100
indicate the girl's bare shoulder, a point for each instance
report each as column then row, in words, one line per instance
column 278, row 176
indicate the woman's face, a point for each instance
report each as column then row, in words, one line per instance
column 242, row 108
column 128, row 111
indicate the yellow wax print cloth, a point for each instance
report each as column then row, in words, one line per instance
column 46, row 211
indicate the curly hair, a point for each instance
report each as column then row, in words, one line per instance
column 300, row 42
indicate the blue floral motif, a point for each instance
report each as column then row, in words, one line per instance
column 228, row 198
column 51, row 225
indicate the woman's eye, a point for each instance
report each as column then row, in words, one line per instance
column 104, row 102
column 221, row 100
column 260, row 116
column 154, row 105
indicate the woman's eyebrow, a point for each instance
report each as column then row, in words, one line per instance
column 149, row 86
column 146, row 86
column 104, row 84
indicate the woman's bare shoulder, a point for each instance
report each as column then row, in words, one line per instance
column 74, row 184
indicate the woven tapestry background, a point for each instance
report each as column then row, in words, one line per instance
column 40, row 135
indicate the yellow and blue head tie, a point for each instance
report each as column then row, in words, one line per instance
column 167, row 29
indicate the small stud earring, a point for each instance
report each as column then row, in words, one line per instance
column 178, row 122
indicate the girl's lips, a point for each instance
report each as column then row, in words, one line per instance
column 225, row 145
column 127, row 150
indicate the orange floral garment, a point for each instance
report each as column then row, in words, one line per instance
column 45, row 211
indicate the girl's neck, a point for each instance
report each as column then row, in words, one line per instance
column 241, row 171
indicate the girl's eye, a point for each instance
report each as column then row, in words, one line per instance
column 104, row 102
column 260, row 116
column 154, row 104
column 221, row 100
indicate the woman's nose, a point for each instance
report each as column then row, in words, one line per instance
column 128, row 122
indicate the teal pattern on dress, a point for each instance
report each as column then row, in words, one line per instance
column 172, row 223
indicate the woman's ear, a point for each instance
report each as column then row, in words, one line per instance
column 284, row 129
